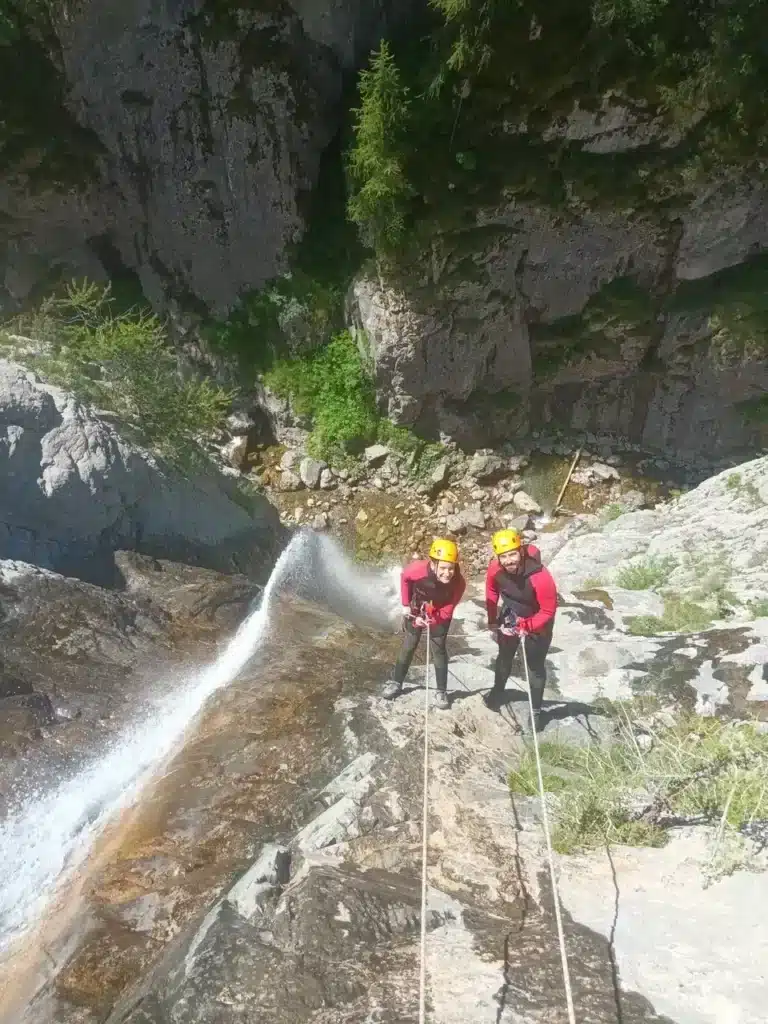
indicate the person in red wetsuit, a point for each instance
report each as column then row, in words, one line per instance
column 430, row 590
column 520, row 600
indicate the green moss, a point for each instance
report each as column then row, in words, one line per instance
column 736, row 302
column 619, row 312
column 754, row 411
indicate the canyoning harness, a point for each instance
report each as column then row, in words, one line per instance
column 518, row 595
column 509, row 623
column 424, row 610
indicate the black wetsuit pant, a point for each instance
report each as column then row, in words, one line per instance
column 536, row 648
column 437, row 652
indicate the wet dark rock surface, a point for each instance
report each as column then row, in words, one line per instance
column 78, row 660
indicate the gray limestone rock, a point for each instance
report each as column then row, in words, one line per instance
column 76, row 491
column 375, row 454
column 310, row 471
column 289, row 481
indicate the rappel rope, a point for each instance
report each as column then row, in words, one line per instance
column 424, row 847
column 424, row 835
column 550, row 856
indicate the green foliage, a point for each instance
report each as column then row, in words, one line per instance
column 470, row 23
column 332, row 388
column 754, row 411
column 295, row 313
column 745, row 489
column 612, row 512
column 697, row 769
column 619, row 312
column 123, row 362
column 491, row 76
column 758, row 608
column 647, row 574
column 680, row 616
column 379, row 188
column 423, row 456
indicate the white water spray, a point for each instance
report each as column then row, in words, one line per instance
column 52, row 835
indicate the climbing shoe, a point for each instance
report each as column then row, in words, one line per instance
column 441, row 700
column 392, row 689
column 537, row 723
column 493, row 699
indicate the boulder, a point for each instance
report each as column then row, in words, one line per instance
column 375, row 454
column 327, row 479
column 440, row 474
column 321, row 521
column 473, row 516
column 526, row 503
column 289, row 481
column 240, row 424
column 604, row 472
column 519, row 523
column 518, row 462
column 487, row 467
column 309, row 471
column 455, row 524
column 289, row 459
column 235, row 452
column 75, row 491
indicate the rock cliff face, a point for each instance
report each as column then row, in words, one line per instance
column 615, row 322
column 607, row 307
column 74, row 492
column 208, row 121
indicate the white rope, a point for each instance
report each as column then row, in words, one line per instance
column 424, row 835
column 550, row 856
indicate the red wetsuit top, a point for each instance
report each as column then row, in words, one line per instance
column 419, row 585
column 529, row 595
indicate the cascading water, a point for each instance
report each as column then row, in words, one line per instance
column 49, row 837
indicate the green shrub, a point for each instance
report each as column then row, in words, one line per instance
column 331, row 387
column 612, row 512
column 645, row 575
column 123, row 362
column 680, row 616
column 698, row 769
column 758, row 608
column 379, row 188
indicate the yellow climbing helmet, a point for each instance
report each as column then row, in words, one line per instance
column 443, row 550
column 506, row 540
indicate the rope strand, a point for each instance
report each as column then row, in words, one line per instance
column 550, row 855
column 424, row 835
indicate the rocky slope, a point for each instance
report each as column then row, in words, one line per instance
column 75, row 491
column 323, row 924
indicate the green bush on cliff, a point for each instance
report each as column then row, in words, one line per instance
column 379, row 189
column 331, row 387
column 334, row 388
column 458, row 121
column 121, row 361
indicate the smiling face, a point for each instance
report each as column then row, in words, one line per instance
column 511, row 560
column 445, row 571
